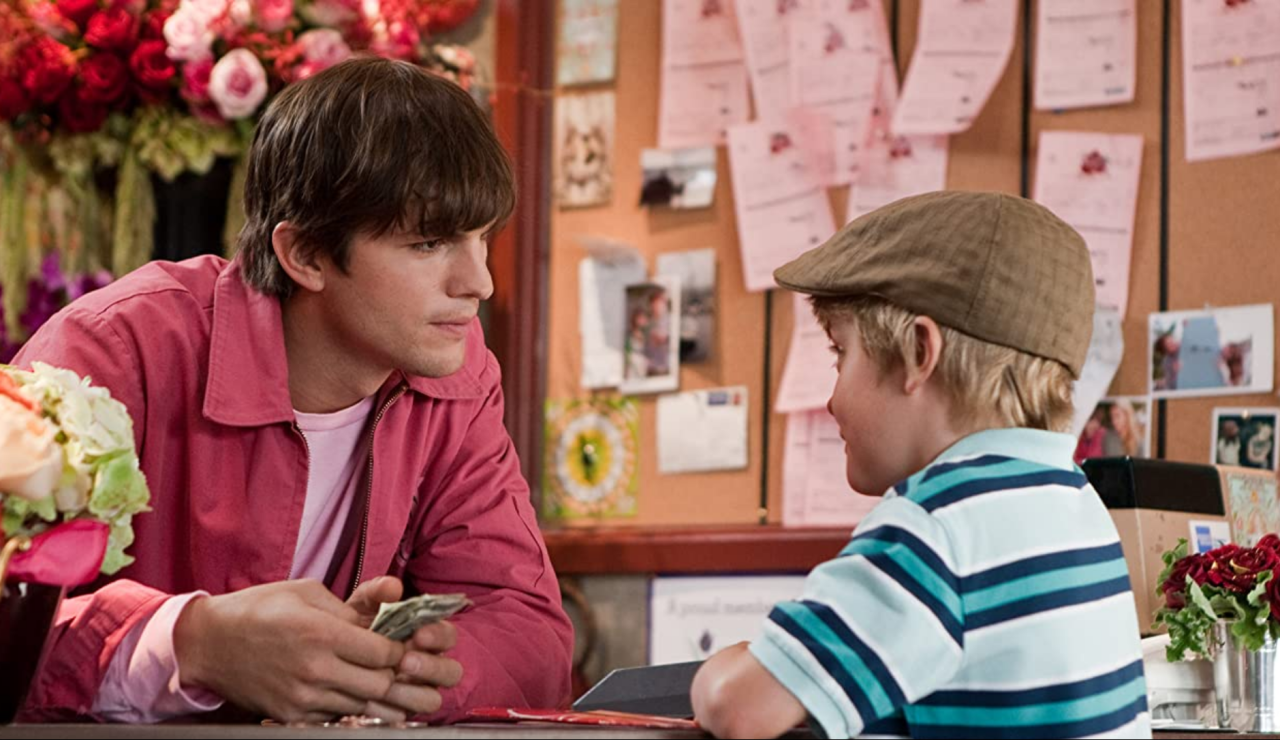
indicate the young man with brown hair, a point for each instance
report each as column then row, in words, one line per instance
column 321, row 426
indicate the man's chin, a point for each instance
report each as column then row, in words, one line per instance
column 441, row 365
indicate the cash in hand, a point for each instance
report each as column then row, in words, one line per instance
column 397, row 622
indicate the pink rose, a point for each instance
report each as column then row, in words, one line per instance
column 30, row 458
column 238, row 84
column 274, row 15
column 195, row 81
column 323, row 47
column 188, row 35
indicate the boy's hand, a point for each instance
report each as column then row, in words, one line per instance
column 423, row 670
column 291, row 650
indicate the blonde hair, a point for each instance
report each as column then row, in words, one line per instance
column 988, row 384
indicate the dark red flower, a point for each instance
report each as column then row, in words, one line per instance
column 48, row 68
column 81, row 116
column 152, row 68
column 104, row 78
column 13, row 99
column 114, row 30
column 1270, row 542
column 78, row 11
column 153, row 25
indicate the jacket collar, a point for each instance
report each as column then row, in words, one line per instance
column 248, row 375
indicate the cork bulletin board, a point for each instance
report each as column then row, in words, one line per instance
column 1207, row 233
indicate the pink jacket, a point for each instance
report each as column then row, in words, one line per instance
column 198, row 358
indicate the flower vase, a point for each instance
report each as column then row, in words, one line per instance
column 191, row 212
column 27, row 611
column 1245, row 682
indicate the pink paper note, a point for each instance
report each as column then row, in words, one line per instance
column 697, row 32
column 1086, row 53
column 704, row 78
column 1091, row 181
column 963, row 48
column 830, row 75
column 1231, row 77
column 815, row 489
column 897, row 167
column 763, row 27
column 810, row 373
column 781, row 205
column 700, row 103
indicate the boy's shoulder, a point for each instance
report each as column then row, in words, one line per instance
column 958, row 479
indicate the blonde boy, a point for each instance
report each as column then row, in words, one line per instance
column 987, row 595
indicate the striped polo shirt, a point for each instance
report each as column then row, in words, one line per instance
column 986, row 596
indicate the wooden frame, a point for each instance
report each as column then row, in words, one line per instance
column 520, row 254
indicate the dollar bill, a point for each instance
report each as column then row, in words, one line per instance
column 400, row 620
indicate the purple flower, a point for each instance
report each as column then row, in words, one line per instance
column 46, row 295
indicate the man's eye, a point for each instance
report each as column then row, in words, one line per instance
column 430, row 245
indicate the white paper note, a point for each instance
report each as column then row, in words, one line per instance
column 781, row 204
column 1231, row 77
column 1091, row 181
column 810, row 373
column 702, row 431
column 692, row 617
column 1086, row 53
column 602, row 280
column 815, row 486
column 1106, row 350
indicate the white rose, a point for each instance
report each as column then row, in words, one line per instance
column 207, row 9
column 30, row 458
column 238, row 84
column 188, row 35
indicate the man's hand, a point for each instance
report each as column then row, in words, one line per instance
column 292, row 651
column 423, row 669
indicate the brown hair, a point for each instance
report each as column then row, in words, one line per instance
column 989, row 384
column 364, row 147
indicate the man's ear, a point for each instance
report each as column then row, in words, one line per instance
column 299, row 262
column 928, row 351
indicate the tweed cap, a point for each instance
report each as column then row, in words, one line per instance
column 996, row 267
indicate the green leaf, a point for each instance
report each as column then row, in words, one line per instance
column 1199, row 599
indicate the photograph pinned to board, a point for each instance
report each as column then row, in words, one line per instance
column 584, row 136
column 679, row 178
column 651, row 348
column 588, row 48
column 1118, row 427
column 1214, row 352
column 1245, row 438
column 703, row 431
column 1253, row 507
column 592, row 461
column 697, row 273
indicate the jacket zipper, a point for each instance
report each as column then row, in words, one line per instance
column 368, row 492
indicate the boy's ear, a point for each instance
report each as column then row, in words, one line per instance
column 928, row 351
column 299, row 262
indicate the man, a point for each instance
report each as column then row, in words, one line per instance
column 318, row 412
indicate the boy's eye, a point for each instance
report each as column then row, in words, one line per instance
column 836, row 349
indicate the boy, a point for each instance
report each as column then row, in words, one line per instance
column 987, row 595
column 321, row 427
